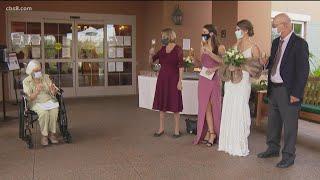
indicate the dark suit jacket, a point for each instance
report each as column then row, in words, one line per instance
column 294, row 68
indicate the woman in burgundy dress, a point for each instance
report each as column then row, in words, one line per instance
column 168, row 97
column 209, row 90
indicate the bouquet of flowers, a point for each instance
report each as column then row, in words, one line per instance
column 188, row 62
column 233, row 57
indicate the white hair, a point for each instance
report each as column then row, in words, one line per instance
column 32, row 65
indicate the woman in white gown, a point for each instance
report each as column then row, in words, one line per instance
column 235, row 119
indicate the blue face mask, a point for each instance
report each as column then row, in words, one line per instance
column 37, row 75
column 239, row 34
column 275, row 32
column 165, row 41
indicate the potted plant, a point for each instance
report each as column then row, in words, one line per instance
column 255, row 87
column 188, row 63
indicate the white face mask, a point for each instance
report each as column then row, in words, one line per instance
column 275, row 32
column 239, row 34
column 37, row 75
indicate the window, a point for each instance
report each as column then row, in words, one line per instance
column 298, row 28
column 26, row 40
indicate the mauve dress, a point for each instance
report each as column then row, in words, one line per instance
column 167, row 97
column 208, row 89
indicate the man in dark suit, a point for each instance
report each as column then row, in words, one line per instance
column 288, row 70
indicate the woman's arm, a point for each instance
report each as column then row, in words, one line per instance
column 28, row 90
column 153, row 56
column 34, row 95
column 213, row 56
column 255, row 52
column 181, row 68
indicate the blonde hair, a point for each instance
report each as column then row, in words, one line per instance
column 170, row 34
column 31, row 66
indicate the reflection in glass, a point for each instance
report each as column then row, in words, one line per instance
column 121, row 76
column 26, row 40
column 57, row 40
column 90, row 41
column 61, row 73
column 91, row 74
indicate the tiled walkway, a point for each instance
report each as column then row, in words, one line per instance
column 112, row 139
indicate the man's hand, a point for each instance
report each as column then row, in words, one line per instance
column 294, row 99
column 263, row 59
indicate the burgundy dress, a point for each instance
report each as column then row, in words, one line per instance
column 167, row 97
column 208, row 90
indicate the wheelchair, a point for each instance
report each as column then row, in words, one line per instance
column 27, row 117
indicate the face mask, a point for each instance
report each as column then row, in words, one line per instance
column 239, row 34
column 37, row 75
column 205, row 37
column 275, row 32
column 165, row 41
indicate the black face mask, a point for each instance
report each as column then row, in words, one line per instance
column 165, row 41
column 205, row 37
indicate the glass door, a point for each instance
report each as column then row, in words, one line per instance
column 85, row 57
column 59, row 53
column 89, row 57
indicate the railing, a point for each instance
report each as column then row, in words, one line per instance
column 312, row 91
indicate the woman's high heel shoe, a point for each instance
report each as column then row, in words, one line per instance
column 210, row 144
column 158, row 134
column 206, row 138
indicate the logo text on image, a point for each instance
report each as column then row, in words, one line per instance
column 18, row 8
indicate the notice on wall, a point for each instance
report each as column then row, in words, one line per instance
column 13, row 63
column 119, row 40
column 112, row 52
column 36, row 52
column 111, row 66
column 35, row 39
column 112, row 41
column 127, row 40
column 120, row 52
column 16, row 38
column 66, row 52
column 66, row 41
column 119, row 66
column 186, row 44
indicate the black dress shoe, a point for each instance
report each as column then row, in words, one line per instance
column 158, row 134
column 285, row 163
column 268, row 154
column 177, row 135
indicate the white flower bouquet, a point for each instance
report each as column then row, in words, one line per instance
column 188, row 62
column 233, row 57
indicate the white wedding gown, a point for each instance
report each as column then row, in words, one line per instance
column 235, row 118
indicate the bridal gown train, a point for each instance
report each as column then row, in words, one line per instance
column 235, row 118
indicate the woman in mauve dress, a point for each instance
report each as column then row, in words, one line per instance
column 209, row 90
column 168, row 97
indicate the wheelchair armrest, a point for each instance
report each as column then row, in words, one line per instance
column 24, row 100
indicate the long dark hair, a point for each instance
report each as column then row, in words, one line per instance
column 214, row 40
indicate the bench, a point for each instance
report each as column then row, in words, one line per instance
column 310, row 108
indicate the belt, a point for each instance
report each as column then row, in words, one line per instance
column 276, row 84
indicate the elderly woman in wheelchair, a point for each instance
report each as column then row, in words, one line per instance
column 40, row 93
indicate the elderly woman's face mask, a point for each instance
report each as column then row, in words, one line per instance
column 37, row 74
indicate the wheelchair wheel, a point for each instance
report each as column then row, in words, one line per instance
column 29, row 143
column 67, row 138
